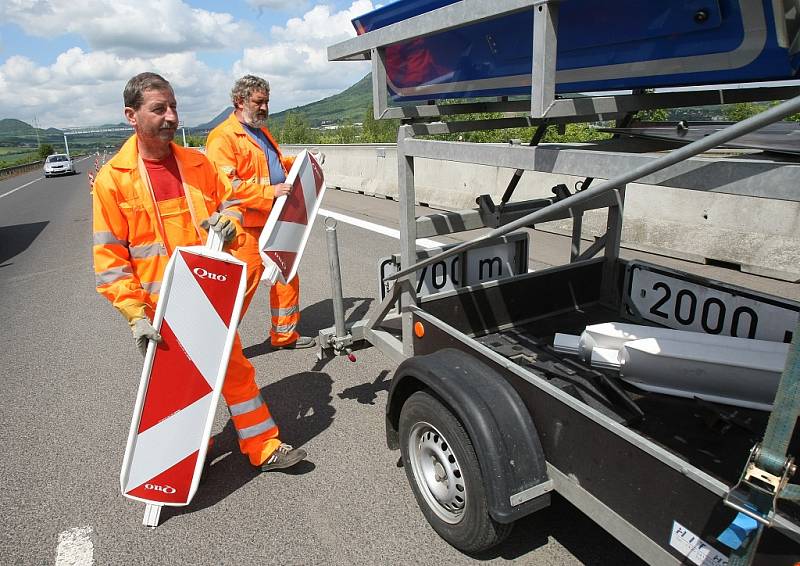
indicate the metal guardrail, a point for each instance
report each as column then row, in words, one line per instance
column 17, row 169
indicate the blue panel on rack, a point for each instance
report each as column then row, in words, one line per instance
column 623, row 44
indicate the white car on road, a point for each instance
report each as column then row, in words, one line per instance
column 58, row 164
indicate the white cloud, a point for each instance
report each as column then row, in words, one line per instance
column 131, row 27
column 81, row 89
column 276, row 4
column 296, row 62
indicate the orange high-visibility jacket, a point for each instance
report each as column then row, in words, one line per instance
column 129, row 251
column 239, row 156
column 130, row 255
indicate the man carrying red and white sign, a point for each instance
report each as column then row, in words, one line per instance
column 150, row 199
column 244, row 150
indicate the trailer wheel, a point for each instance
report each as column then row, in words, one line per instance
column 444, row 473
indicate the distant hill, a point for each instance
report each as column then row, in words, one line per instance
column 347, row 106
column 15, row 132
column 215, row 121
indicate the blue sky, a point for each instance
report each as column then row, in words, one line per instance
column 65, row 62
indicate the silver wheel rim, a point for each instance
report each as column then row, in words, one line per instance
column 437, row 472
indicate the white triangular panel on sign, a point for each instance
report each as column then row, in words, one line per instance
column 286, row 232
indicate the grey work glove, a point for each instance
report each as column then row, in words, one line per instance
column 143, row 332
column 222, row 225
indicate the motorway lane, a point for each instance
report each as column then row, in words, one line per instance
column 70, row 374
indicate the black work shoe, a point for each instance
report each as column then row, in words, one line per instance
column 284, row 457
column 300, row 343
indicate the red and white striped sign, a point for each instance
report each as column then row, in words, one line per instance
column 289, row 224
column 197, row 316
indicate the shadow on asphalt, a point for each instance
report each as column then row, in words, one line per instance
column 16, row 239
column 299, row 403
column 366, row 393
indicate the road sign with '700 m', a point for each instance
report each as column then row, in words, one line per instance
column 497, row 259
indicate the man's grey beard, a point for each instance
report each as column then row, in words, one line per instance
column 251, row 120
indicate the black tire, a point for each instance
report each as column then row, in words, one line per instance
column 445, row 476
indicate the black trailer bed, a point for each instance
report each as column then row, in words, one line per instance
column 714, row 438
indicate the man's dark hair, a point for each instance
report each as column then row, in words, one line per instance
column 133, row 95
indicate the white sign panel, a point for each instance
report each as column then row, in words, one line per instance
column 495, row 260
column 684, row 303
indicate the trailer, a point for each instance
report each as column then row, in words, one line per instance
column 489, row 417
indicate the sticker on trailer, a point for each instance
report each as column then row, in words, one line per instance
column 496, row 259
column 695, row 549
column 289, row 224
column 197, row 316
column 686, row 302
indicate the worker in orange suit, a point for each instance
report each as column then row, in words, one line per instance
column 244, row 150
column 151, row 197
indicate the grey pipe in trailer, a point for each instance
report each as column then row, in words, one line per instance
column 767, row 117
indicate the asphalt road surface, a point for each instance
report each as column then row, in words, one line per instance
column 69, row 376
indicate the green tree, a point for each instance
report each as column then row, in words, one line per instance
column 45, row 149
column 656, row 115
column 347, row 133
column 740, row 111
column 378, row 131
column 195, row 141
column 575, row 133
column 296, row 130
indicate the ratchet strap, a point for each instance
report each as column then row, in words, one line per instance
column 766, row 475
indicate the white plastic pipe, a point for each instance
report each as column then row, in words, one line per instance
column 723, row 372
column 615, row 335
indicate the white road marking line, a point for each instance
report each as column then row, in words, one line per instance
column 75, row 548
column 391, row 232
column 20, row 187
column 371, row 226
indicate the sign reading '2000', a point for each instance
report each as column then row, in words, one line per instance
column 683, row 302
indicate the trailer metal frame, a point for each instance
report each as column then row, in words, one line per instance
column 643, row 460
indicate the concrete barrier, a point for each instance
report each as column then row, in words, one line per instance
column 693, row 225
column 19, row 169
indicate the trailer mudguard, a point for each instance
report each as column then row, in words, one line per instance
column 497, row 421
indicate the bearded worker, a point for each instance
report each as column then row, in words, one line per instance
column 148, row 199
column 243, row 149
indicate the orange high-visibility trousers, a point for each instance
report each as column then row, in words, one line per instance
column 284, row 299
column 257, row 431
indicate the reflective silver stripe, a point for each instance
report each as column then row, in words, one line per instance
column 111, row 275
column 246, row 406
column 286, row 312
column 255, row 430
column 106, row 238
column 152, row 288
column 285, row 327
column 148, row 250
column 263, row 181
column 235, row 182
column 227, row 169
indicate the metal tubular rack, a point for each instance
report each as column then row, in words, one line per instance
column 684, row 168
